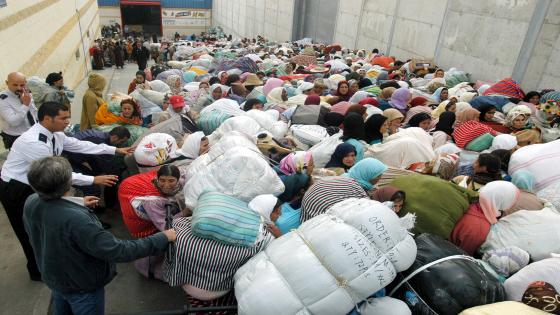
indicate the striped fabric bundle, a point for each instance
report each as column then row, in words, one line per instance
column 210, row 121
column 325, row 193
column 470, row 130
column 506, row 87
column 204, row 263
column 225, row 219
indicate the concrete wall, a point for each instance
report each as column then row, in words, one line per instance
column 45, row 36
column 486, row 38
column 272, row 19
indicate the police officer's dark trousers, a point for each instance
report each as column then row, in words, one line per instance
column 13, row 196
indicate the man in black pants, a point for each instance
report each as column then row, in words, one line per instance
column 141, row 55
column 43, row 139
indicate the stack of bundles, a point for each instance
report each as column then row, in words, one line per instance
column 233, row 139
column 154, row 150
column 38, row 88
column 244, row 64
column 213, row 115
column 329, row 264
column 444, row 280
column 454, row 77
column 243, row 124
column 535, row 232
column 240, row 172
column 437, row 204
column 165, row 74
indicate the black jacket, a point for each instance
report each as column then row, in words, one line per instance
column 73, row 251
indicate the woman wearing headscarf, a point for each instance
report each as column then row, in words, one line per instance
column 343, row 157
column 417, row 110
column 276, row 99
column 354, row 86
column 525, row 181
column 342, row 93
column 469, row 128
column 471, row 230
column 444, row 129
column 140, row 79
column 175, row 84
column 391, row 194
column 299, row 162
column 532, row 97
column 421, row 120
column 519, row 124
column 354, row 133
column 440, row 95
column 486, row 117
column 385, row 96
column 296, row 185
column 215, row 93
column 376, row 126
column 194, row 145
column 269, row 208
column 400, row 99
column 357, row 109
column 394, row 118
column 367, row 173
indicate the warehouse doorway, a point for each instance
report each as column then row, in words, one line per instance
column 141, row 18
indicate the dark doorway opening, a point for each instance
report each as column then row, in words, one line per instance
column 141, row 18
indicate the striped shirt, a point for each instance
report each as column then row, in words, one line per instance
column 204, row 263
column 470, row 130
column 327, row 192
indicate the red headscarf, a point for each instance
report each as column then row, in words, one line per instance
column 370, row 101
column 312, row 100
column 418, row 101
column 343, row 97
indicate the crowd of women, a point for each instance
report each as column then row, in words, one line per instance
column 457, row 159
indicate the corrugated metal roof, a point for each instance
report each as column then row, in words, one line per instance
column 193, row 4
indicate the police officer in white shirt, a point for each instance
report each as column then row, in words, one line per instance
column 42, row 140
column 16, row 109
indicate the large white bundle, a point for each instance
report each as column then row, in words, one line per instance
column 240, row 172
column 153, row 96
column 147, row 107
column 192, row 86
column 539, row 159
column 323, row 150
column 277, row 128
column 327, row 265
column 545, row 270
column 231, row 140
column 177, row 64
column 155, row 149
column 551, row 194
column 226, row 105
column 159, row 86
column 401, row 153
column 243, row 124
column 309, row 134
column 38, row 88
column 384, row 305
column 536, row 232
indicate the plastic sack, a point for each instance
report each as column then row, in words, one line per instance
column 155, row 149
column 240, row 172
column 147, row 107
column 211, row 120
column 159, row 86
column 38, row 88
column 536, row 232
column 346, row 257
column 154, row 96
column 450, row 286
column 323, row 150
column 226, row 220
column 309, row 134
column 277, row 128
column 539, row 159
column 545, row 270
column 243, row 124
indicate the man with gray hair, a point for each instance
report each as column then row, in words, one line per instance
column 75, row 255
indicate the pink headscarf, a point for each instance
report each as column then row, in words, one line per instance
column 295, row 163
column 271, row 84
column 341, row 108
column 497, row 196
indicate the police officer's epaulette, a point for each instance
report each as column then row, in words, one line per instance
column 3, row 96
column 43, row 138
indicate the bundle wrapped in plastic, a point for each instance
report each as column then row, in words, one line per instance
column 242, row 124
column 350, row 252
column 244, row 64
column 267, row 122
column 147, row 107
column 240, row 172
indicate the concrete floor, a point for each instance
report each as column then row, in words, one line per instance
column 128, row 293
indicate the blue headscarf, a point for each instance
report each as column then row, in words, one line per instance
column 524, row 180
column 366, row 170
column 437, row 94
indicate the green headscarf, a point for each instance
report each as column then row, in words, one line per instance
column 293, row 185
column 366, row 170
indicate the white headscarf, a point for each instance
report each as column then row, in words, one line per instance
column 496, row 197
column 304, row 86
column 358, row 97
column 263, row 205
column 191, row 146
column 504, row 141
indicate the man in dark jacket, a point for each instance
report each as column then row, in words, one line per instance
column 75, row 255
column 141, row 54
